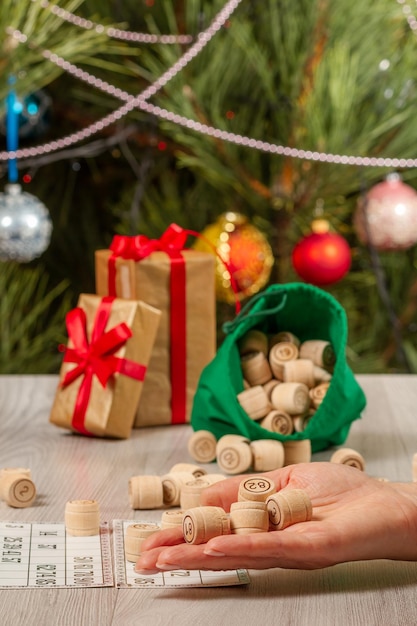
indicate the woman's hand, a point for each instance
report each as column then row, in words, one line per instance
column 355, row 517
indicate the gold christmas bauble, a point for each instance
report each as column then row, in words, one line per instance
column 241, row 250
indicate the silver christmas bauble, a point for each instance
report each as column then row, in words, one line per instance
column 25, row 225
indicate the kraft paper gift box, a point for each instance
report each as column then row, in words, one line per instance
column 104, row 366
column 181, row 283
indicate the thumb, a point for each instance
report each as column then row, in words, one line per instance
column 222, row 493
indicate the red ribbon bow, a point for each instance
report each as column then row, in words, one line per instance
column 139, row 247
column 95, row 357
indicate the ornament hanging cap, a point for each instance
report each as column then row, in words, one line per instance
column 393, row 176
column 320, row 226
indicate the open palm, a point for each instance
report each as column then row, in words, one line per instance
column 355, row 517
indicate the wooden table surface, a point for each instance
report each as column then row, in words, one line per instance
column 65, row 466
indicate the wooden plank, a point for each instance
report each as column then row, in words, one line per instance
column 66, row 466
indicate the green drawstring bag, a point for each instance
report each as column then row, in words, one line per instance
column 309, row 313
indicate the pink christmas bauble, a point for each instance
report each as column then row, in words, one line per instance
column 391, row 215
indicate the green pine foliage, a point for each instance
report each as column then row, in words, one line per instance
column 44, row 30
column 26, row 345
column 320, row 75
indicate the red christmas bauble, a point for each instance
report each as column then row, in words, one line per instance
column 390, row 221
column 322, row 258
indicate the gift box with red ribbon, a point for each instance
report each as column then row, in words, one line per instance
column 181, row 284
column 110, row 341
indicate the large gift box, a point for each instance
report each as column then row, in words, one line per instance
column 181, row 283
column 104, row 366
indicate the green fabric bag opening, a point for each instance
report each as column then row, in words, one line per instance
column 309, row 313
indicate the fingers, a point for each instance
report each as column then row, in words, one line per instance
column 222, row 493
column 255, row 551
column 295, row 547
column 146, row 563
column 168, row 537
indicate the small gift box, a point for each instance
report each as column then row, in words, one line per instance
column 181, row 284
column 105, row 363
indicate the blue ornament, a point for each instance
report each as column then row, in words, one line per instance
column 33, row 115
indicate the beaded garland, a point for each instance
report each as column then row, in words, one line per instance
column 139, row 101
